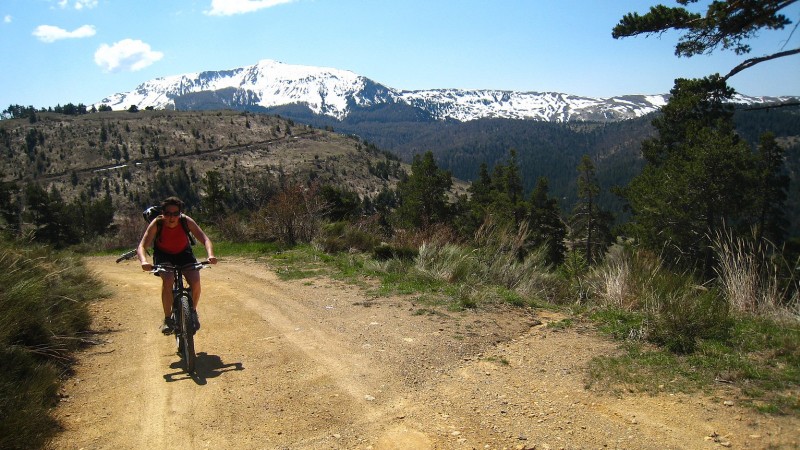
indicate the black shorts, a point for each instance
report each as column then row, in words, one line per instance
column 178, row 259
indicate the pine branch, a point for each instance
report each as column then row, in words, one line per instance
column 753, row 61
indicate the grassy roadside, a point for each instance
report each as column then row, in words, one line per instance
column 401, row 276
column 43, row 321
column 757, row 363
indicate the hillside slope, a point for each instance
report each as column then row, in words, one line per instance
column 124, row 153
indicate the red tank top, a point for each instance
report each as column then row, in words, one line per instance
column 172, row 240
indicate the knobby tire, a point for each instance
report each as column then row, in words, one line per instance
column 186, row 336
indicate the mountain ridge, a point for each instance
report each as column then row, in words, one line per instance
column 338, row 93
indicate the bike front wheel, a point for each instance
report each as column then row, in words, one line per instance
column 186, row 334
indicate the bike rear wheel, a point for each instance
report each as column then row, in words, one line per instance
column 186, row 334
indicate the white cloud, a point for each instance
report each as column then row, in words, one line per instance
column 126, row 55
column 232, row 7
column 89, row 4
column 50, row 33
column 7, row 19
column 79, row 4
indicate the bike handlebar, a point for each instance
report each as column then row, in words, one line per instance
column 132, row 253
column 166, row 267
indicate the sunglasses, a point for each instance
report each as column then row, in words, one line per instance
column 172, row 214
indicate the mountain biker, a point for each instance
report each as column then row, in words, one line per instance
column 168, row 233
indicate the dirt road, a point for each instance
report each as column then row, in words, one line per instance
column 318, row 364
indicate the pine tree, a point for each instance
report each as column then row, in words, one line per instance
column 9, row 208
column 698, row 178
column 506, row 203
column 590, row 224
column 50, row 216
column 342, row 203
column 95, row 217
column 216, row 198
column 423, row 195
column 699, row 175
column 771, row 194
column 514, row 189
column 546, row 227
column 481, row 189
column 693, row 105
column 470, row 213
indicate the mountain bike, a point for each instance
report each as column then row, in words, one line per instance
column 182, row 318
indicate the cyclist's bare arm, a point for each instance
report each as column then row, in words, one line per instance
column 145, row 243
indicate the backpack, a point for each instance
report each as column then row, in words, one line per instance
column 154, row 211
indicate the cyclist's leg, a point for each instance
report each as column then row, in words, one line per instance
column 167, row 279
column 166, row 292
column 193, row 278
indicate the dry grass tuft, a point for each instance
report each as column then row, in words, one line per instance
column 750, row 274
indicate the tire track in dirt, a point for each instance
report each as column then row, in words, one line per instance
column 325, row 355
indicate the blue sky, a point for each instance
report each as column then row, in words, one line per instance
column 80, row 51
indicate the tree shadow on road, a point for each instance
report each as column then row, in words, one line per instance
column 207, row 366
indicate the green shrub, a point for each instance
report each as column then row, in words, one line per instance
column 573, row 272
column 759, row 355
column 667, row 308
column 466, row 301
column 448, row 262
column 342, row 237
column 620, row 323
column 505, row 260
column 685, row 314
column 625, row 277
column 386, row 252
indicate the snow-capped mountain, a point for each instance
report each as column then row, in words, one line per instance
column 337, row 93
column 465, row 105
column 266, row 84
